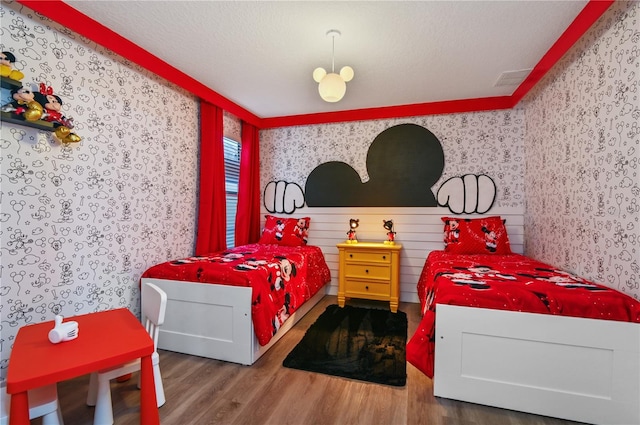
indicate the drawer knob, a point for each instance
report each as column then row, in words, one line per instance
column 366, row 287
column 350, row 255
column 384, row 257
column 366, row 270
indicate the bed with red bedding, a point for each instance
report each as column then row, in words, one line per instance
column 282, row 278
column 234, row 304
column 505, row 330
column 507, row 282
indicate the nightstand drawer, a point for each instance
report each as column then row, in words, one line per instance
column 358, row 288
column 368, row 257
column 367, row 271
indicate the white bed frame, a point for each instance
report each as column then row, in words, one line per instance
column 583, row 370
column 214, row 321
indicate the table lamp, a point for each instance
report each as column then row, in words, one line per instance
column 351, row 234
column 391, row 235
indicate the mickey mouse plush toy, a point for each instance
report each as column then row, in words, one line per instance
column 24, row 104
column 52, row 104
column 7, row 59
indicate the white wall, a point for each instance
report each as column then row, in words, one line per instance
column 79, row 224
column 582, row 150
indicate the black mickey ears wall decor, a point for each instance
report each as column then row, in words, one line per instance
column 403, row 163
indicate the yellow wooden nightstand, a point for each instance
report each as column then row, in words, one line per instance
column 369, row 270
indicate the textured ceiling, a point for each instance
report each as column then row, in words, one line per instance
column 261, row 54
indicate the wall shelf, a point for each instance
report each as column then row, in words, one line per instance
column 10, row 84
column 16, row 119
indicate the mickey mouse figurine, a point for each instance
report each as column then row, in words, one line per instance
column 351, row 234
column 391, row 235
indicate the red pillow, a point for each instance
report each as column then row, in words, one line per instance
column 486, row 235
column 285, row 231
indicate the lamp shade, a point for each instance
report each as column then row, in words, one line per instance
column 332, row 88
column 346, row 73
column 318, row 74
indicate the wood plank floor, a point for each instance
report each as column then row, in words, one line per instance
column 204, row 391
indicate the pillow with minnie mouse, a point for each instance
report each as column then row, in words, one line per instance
column 285, row 231
column 486, row 235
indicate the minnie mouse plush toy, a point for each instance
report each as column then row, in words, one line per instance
column 52, row 112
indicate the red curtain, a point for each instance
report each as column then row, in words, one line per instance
column 248, row 214
column 212, row 211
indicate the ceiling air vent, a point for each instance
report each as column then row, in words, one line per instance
column 512, row 78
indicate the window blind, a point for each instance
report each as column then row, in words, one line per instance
column 232, row 177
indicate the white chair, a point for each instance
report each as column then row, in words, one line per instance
column 43, row 402
column 154, row 305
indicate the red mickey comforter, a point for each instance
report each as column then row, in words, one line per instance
column 507, row 282
column 282, row 278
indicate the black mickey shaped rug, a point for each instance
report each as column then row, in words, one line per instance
column 353, row 342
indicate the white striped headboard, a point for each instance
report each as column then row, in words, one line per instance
column 419, row 230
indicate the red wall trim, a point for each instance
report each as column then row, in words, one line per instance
column 71, row 18
column 418, row 109
column 587, row 17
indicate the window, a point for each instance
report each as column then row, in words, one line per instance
column 232, row 174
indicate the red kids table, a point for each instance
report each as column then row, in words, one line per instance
column 105, row 339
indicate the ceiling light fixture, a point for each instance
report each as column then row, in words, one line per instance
column 332, row 86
